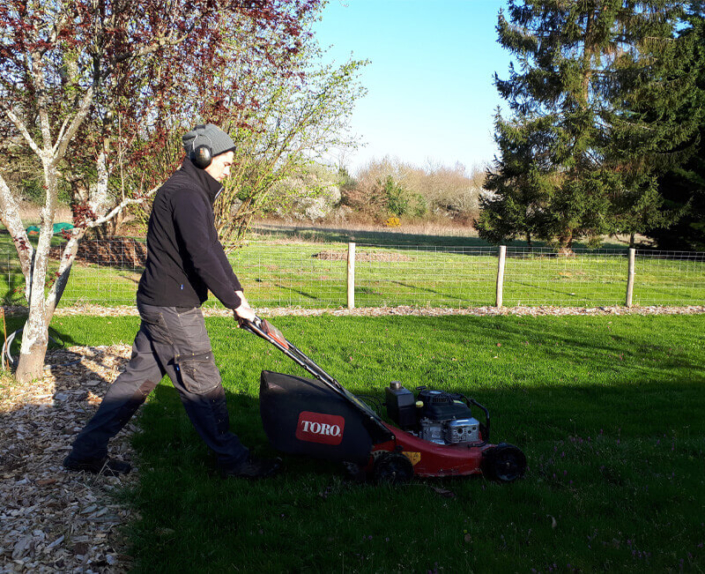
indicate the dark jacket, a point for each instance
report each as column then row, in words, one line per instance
column 184, row 256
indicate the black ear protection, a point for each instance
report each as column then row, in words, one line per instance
column 201, row 155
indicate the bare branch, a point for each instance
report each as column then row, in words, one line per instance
column 83, row 110
column 10, row 216
column 122, row 205
column 23, row 130
column 60, row 136
column 59, row 25
column 42, row 105
column 62, row 275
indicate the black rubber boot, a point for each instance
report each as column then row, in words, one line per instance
column 105, row 466
column 253, row 468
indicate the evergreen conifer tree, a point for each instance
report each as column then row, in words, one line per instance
column 683, row 188
column 592, row 118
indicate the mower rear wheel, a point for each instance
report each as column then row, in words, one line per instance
column 504, row 463
column 392, row 468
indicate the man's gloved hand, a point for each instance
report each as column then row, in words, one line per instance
column 244, row 311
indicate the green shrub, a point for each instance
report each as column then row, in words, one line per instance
column 397, row 197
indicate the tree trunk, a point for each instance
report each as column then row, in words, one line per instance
column 565, row 243
column 35, row 336
column 35, row 339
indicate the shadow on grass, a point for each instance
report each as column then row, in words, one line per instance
column 381, row 237
column 397, row 238
column 292, row 290
column 360, row 290
column 608, row 413
column 581, row 456
column 537, row 290
column 417, row 288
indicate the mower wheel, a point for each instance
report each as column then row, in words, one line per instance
column 356, row 473
column 504, row 463
column 392, row 468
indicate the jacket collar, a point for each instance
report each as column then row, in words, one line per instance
column 211, row 186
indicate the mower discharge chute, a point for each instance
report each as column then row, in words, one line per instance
column 438, row 434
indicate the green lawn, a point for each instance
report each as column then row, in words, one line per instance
column 314, row 275
column 609, row 410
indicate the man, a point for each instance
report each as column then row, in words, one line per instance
column 185, row 260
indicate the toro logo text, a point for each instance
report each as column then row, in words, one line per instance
column 317, row 427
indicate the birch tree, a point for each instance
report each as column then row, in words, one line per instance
column 92, row 86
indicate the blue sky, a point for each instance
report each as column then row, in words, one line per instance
column 431, row 93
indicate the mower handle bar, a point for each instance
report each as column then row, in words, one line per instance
column 262, row 328
column 271, row 334
column 486, row 434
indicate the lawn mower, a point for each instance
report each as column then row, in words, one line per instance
column 438, row 436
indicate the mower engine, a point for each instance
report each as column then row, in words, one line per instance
column 436, row 416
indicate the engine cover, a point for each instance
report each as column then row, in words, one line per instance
column 437, row 416
column 432, row 431
column 464, row 430
column 450, row 432
column 442, row 406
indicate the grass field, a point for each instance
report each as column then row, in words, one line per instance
column 310, row 270
column 609, row 410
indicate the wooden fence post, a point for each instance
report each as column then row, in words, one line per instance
column 630, row 277
column 500, row 274
column 351, row 275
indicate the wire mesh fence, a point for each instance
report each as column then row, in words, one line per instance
column 584, row 278
column 425, row 275
column 283, row 276
column 316, row 276
column 669, row 278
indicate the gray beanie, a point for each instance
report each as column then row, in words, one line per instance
column 210, row 135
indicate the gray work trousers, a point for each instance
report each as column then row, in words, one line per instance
column 172, row 341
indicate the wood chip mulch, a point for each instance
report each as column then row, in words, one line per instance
column 52, row 520
column 544, row 310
